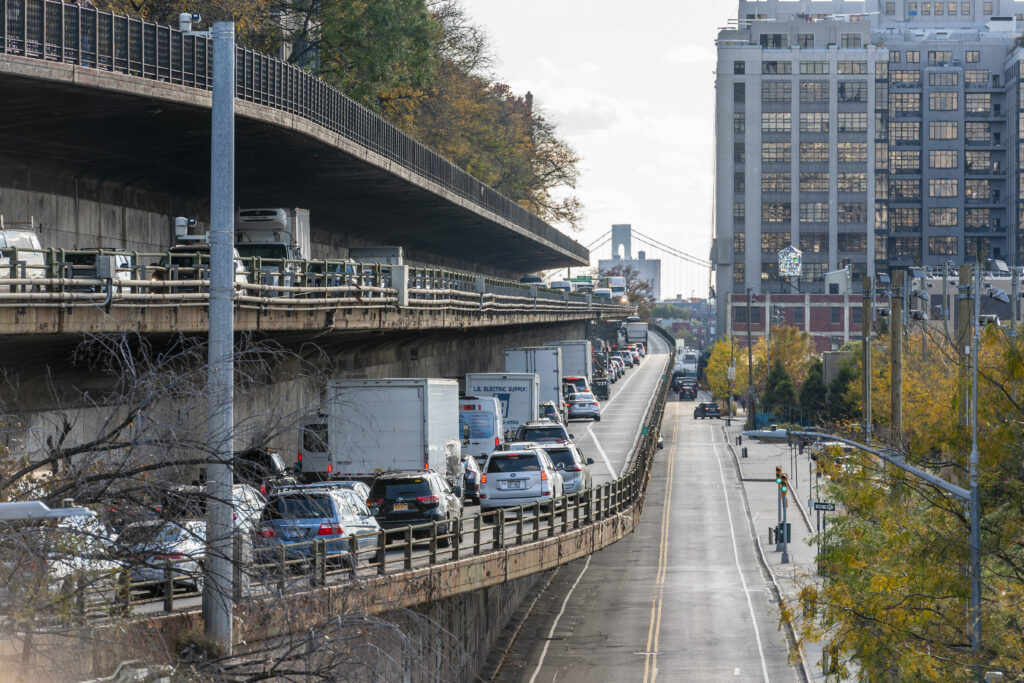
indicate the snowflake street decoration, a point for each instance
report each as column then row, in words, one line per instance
column 790, row 262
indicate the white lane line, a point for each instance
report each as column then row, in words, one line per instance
column 739, row 568
column 604, row 456
column 544, row 652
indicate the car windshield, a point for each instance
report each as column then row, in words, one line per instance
column 299, row 507
column 561, row 456
column 405, row 488
column 264, row 251
column 513, row 463
column 543, row 434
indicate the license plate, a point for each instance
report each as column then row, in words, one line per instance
column 517, row 484
column 399, row 507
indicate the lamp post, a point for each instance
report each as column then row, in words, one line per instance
column 974, row 612
column 751, row 424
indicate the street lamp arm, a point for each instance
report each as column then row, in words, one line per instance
column 941, row 483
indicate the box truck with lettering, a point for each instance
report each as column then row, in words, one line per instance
column 518, row 394
column 369, row 426
column 546, row 363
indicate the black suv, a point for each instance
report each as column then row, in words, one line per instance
column 707, row 410
column 402, row 499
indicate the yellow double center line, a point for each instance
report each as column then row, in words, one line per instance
column 654, row 631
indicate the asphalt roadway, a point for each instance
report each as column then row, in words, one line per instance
column 681, row 599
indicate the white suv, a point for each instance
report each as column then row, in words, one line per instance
column 519, row 477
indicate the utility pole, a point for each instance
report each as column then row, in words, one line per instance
column 751, row 424
column 218, row 565
column 867, row 315
column 963, row 336
column 896, row 314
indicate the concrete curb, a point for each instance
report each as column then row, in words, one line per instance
column 777, row 591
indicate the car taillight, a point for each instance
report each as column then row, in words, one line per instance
column 263, row 489
column 483, row 478
column 170, row 556
column 300, row 456
column 543, row 476
column 330, row 468
column 330, row 530
column 497, row 442
column 266, row 533
column 428, row 499
column 426, row 465
column 374, row 501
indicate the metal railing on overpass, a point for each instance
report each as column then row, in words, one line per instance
column 87, row 37
column 62, row 277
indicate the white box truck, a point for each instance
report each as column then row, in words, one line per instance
column 371, row 426
column 517, row 393
column 546, row 363
column 273, row 233
column 636, row 332
column 577, row 358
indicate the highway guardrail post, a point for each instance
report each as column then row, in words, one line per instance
column 168, row 586
column 282, row 567
column 519, row 525
column 456, row 538
column 382, row 552
column 536, row 520
column 552, row 516
column 408, row 547
column 433, row 543
column 353, row 551
column 477, row 533
column 499, row 528
column 319, row 575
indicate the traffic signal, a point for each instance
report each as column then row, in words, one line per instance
column 784, row 486
column 778, row 475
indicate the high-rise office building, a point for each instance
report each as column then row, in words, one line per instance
column 874, row 134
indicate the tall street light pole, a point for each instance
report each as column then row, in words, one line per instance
column 974, row 613
column 218, row 565
column 751, row 424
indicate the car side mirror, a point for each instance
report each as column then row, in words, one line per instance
column 590, row 461
column 572, row 436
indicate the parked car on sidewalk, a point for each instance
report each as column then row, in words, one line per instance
column 709, row 409
column 519, row 477
column 409, row 498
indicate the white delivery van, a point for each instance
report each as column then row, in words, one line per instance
column 517, row 394
column 483, row 416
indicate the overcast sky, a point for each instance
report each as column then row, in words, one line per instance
column 631, row 86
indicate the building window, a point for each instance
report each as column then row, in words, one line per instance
column 942, row 101
column 853, row 122
column 965, row 8
column 978, row 102
column 813, row 272
column 778, row 92
column 776, row 182
column 813, row 212
column 814, row 92
column 739, row 92
column 977, row 131
column 905, row 131
column 940, row 9
column 905, row 103
column 942, row 158
column 739, row 242
column 881, row 247
column 814, row 68
column 904, row 189
column 814, row 122
column 814, row 182
column 853, row 182
column 739, row 212
column 852, row 68
column 881, row 71
column 776, row 122
column 852, row 91
column 814, row 242
column 976, row 76
column 852, row 212
column 775, row 41
column 755, row 313
column 943, row 187
column 978, row 189
column 905, row 76
column 775, row 152
column 894, row 57
column 739, row 68
column 881, row 188
column 973, row 56
column 913, row 56
column 775, row 212
column 943, row 130
column 977, row 247
column 739, row 153
column 904, row 160
column 812, row 152
column 798, row 315
column 853, row 152
column 904, row 246
column 944, row 79
column 890, row 8
column 836, row 315
column 902, row 220
column 943, row 217
column 942, row 246
column 739, row 183
column 739, row 123
column 937, row 57
column 977, row 162
column 977, row 218
column 739, row 271
column 850, row 41
column 739, row 313
column 857, row 313
column 776, row 67
column 881, row 156
column 986, row 8
column 805, row 41
column 774, row 241
column 881, row 216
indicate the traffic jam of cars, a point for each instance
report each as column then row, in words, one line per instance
column 496, row 440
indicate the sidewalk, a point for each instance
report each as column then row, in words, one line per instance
column 757, row 472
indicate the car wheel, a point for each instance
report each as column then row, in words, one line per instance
column 597, row 419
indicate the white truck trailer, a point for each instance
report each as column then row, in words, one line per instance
column 518, row 393
column 546, row 363
column 273, row 233
column 577, row 358
column 371, row 426
column 636, row 332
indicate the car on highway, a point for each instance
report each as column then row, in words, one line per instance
column 544, row 431
column 295, row 517
column 519, row 477
column 532, row 279
column 547, row 411
column 574, row 468
column 636, row 354
column 189, row 502
column 584, row 405
column 619, row 366
column 625, row 358
column 156, row 545
column 576, row 383
column 642, row 349
column 361, row 490
column 687, row 392
column 633, row 319
column 471, row 471
column 399, row 499
column 708, row 409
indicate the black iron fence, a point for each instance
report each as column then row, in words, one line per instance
column 84, row 36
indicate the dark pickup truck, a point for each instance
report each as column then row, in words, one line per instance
column 707, row 410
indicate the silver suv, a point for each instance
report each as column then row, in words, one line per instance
column 574, row 468
column 544, row 432
column 519, row 477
